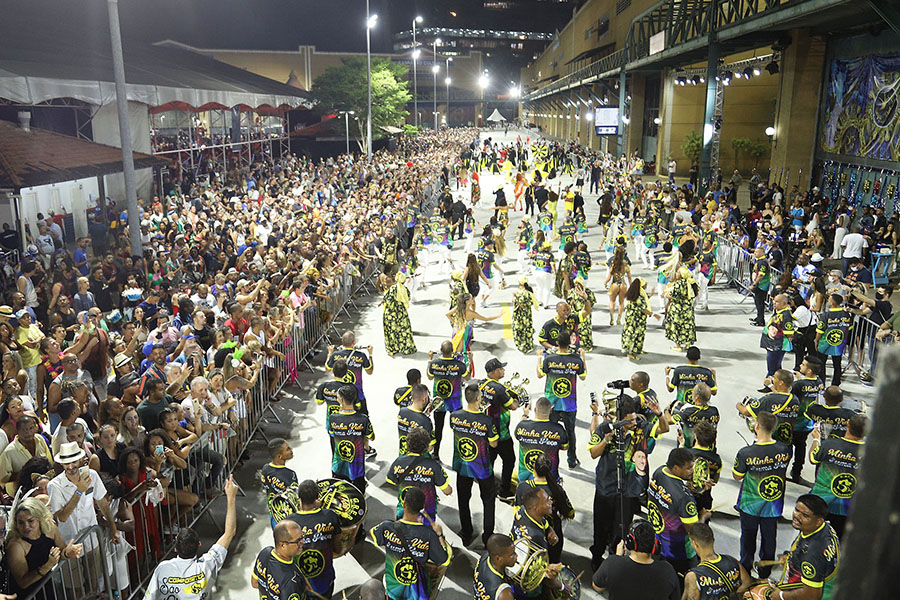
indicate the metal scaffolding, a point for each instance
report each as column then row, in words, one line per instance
column 218, row 143
column 717, row 130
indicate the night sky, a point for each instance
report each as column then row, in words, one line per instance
column 331, row 25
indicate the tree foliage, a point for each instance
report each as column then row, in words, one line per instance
column 692, row 146
column 739, row 144
column 757, row 150
column 344, row 88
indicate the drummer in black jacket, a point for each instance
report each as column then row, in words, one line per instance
column 532, row 520
column 321, row 529
column 490, row 580
column 408, row 546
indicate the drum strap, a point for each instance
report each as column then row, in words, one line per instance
column 411, row 469
column 783, row 406
column 404, row 396
column 399, row 531
column 720, row 573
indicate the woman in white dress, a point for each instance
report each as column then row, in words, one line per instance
column 840, row 231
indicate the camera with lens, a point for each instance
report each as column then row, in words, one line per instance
column 618, row 384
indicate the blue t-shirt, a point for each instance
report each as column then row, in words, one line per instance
column 81, row 256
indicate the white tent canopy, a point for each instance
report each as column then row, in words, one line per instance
column 35, row 90
column 56, row 61
column 496, row 116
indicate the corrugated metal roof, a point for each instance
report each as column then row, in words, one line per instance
column 39, row 157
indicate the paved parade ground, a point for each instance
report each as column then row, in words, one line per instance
column 729, row 344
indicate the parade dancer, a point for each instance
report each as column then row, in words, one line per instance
column 544, row 269
column 525, row 239
column 519, row 191
column 637, row 234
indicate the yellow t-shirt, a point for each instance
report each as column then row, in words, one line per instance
column 31, row 357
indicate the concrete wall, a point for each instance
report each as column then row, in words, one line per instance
column 307, row 63
column 749, row 108
column 74, row 197
column 798, row 105
column 580, row 34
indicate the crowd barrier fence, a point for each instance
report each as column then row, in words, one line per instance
column 861, row 354
column 95, row 575
column 736, row 263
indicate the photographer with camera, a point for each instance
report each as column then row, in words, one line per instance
column 645, row 396
column 634, row 437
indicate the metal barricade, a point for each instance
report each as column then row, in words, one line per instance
column 734, row 262
column 861, row 355
column 95, row 575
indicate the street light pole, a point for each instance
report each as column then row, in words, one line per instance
column 415, row 56
column 370, row 23
column 447, row 82
column 134, row 219
column 434, row 70
column 483, row 83
column 347, row 114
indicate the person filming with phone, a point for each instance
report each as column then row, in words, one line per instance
column 74, row 496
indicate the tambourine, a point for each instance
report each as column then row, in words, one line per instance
column 531, row 562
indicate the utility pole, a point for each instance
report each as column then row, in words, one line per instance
column 415, row 56
column 134, row 219
column 370, row 23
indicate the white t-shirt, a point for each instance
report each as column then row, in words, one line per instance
column 45, row 243
column 55, row 230
column 853, row 245
column 262, row 233
column 84, row 516
column 803, row 317
column 61, row 433
column 186, row 578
